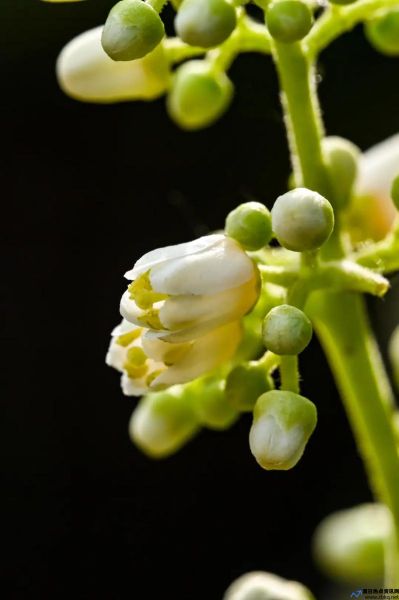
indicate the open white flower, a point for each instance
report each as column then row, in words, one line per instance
column 373, row 211
column 259, row 585
column 184, row 291
column 85, row 72
column 146, row 361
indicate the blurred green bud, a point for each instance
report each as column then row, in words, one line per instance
column 286, row 330
column 245, row 383
column 288, row 20
column 163, row 422
column 395, row 192
column 132, row 29
column 283, row 423
column 342, row 2
column 250, row 224
column 86, row 73
column 302, row 220
column 349, row 545
column 342, row 158
column 210, row 404
column 393, row 351
column 205, row 23
column 260, row 585
column 198, row 96
column 383, row 33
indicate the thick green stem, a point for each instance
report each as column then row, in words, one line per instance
column 342, row 325
column 341, row 318
column 289, row 373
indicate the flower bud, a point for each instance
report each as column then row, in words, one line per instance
column 163, row 422
column 245, row 383
column 260, row 585
column 302, row 220
column 288, row 20
column 198, row 97
column 250, row 224
column 341, row 157
column 286, row 330
column 210, row 404
column 283, row 423
column 395, row 192
column 349, row 545
column 383, row 33
column 85, row 72
column 133, row 28
column 393, row 351
column 205, row 23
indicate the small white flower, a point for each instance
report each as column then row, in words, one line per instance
column 146, row 361
column 374, row 211
column 184, row 291
column 260, row 585
column 85, row 72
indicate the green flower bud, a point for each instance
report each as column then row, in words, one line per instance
column 163, row 422
column 250, row 224
column 288, row 20
column 349, row 545
column 341, row 157
column 286, row 330
column 260, row 585
column 210, row 404
column 393, row 351
column 383, row 33
column 198, row 97
column 245, row 383
column 205, row 23
column 302, row 220
column 283, row 423
column 395, row 192
column 133, row 28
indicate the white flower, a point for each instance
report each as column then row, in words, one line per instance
column 374, row 212
column 86, row 73
column 146, row 361
column 184, row 291
column 260, row 585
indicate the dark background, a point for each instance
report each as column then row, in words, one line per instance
column 85, row 190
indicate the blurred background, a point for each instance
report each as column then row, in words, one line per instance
column 85, row 191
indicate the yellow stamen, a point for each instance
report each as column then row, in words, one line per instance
column 127, row 338
column 152, row 376
column 151, row 319
column 142, row 293
column 175, row 354
column 136, row 356
column 135, row 372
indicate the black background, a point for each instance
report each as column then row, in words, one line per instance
column 85, row 190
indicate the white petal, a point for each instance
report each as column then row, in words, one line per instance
column 185, row 312
column 271, row 444
column 86, row 73
column 221, row 267
column 123, row 327
column 129, row 309
column 378, row 167
column 133, row 387
column 161, row 255
column 116, row 355
column 205, row 354
column 159, row 350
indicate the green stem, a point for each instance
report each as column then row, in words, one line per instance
column 289, row 374
column 342, row 325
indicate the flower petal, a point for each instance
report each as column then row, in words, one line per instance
column 378, row 167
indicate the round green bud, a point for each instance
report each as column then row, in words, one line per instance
column 260, row 585
column 395, row 192
column 245, row 383
column 205, row 23
column 342, row 159
column 288, row 20
column 302, row 220
column 250, row 224
column 393, row 351
column 383, row 33
column 132, row 29
column 198, row 97
column 349, row 545
column 210, row 404
column 286, row 330
column 163, row 422
column 283, row 423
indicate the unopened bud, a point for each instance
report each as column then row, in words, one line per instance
column 286, row 330
column 342, row 159
column 163, row 422
column 260, row 585
column 250, row 224
column 283, row 423
column 133, row 28
column 288, row 20
column 205, row 23
column 210, row 404
column 349, row 545
column 383, row 32
column 245, row 383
